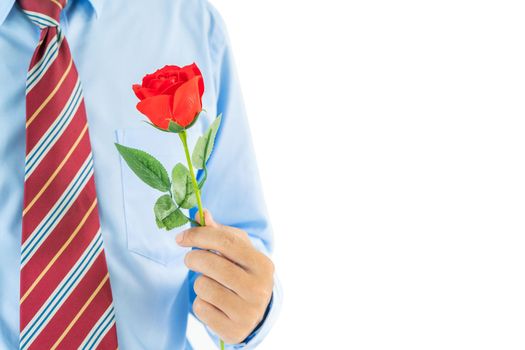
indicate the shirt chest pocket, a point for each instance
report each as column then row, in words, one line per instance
column 143, row 235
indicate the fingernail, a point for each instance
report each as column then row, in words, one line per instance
column 180, row 237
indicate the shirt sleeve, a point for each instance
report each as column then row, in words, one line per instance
column 233, row 191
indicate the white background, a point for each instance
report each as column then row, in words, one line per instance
column 390, row 138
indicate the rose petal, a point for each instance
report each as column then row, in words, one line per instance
column 183, row 76
column 194, row 71
column 187, row 102
column 171, row 89
column 156, row 85
column 201, row 86
column 157, row 109
column 136, row 89
column 148, row 78
column 142, row 92
column 169, row 69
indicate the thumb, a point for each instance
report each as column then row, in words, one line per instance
column 208, row 218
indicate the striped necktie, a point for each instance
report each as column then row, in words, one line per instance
column 65, row 293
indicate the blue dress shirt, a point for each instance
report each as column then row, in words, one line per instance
column 114, row 43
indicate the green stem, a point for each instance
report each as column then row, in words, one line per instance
column 184, row 140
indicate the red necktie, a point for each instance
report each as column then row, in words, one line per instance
column 65, row 293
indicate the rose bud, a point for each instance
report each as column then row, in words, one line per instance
column 172, row 94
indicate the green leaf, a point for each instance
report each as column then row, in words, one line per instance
column 159, row 223
column 174, row 127
column 167, row 214
column 182, row 187
column 164, row 206
column 146, row 167
column 175, row 219
column 204, row 145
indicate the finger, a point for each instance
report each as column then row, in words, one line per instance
column 208, row 218
column 228, row 242
column 218, row 268
column 212, row 317
column 219, row 296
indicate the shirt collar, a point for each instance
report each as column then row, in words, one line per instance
column 97, row 5
column 7, row 5
column 5, row 8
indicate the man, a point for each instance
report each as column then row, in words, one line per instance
column 84, row 265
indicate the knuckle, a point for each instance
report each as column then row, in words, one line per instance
column 200, row 285
column 187, row 236
column 270, row 266
column 228, row 240
column 213, row 296
column 244, row 235
column 188, row 259
column 191, row 258
column 208, row 290
column 206, row 259
column 231, row 271
column 198, row 307
column 265, row 263
column 252, row 260
column 261, row 294
column 196, row 259
column 254, row 291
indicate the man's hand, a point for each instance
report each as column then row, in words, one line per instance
column 237, row 280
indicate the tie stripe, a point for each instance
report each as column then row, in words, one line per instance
column 42, row 20
column 108, row 341
column 56, row 105
column 51, row 95
column 51, row 324
column 54, row 132
column 70, row 157
column 48, row 277
column 54, row 55
column 59, row 210
column 58, row 254
column 55, row 173
column 44, row 306
column 99, row 330
column 50, row 56
column 81, row 312
column 65, row 291
column 58, row 4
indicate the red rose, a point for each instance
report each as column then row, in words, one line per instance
column 171, row 93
